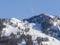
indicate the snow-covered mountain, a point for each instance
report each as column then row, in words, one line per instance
column 42, row 29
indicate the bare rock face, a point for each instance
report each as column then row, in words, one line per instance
column 45, row 20
column 39, row 18
column 1, row 26
column 29, row 40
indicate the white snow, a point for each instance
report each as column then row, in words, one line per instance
column 34, row 32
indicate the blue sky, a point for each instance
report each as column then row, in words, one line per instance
column 27, row 8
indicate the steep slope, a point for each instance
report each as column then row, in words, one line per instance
column 43, row 27
column 49, row 24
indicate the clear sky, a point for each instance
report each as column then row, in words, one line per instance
column 27, row 8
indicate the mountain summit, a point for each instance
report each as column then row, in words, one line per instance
column 42, row 29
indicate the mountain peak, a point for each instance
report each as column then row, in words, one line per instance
column 40, row 18
column 43, row 27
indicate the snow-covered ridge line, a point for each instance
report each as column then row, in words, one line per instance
column 44, row 26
